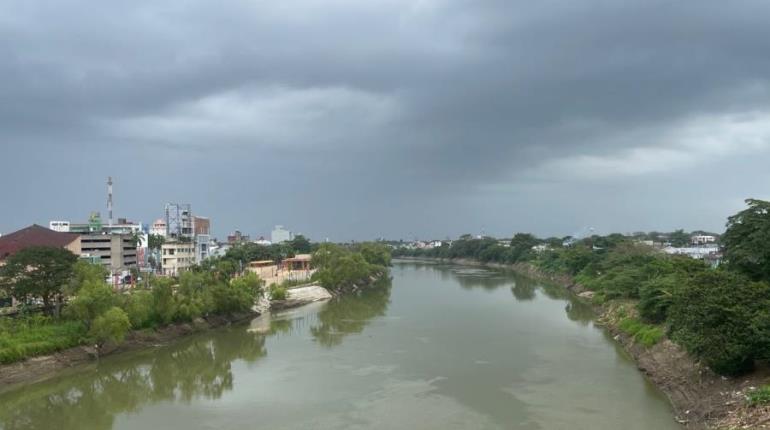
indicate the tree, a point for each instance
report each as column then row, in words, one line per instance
column 111, row 326
column 300, row 244
column 521, row 246
column 679, row 238
column 93, row 299
column 720, row 317
column 747, row 240
column 82, row 272
column 155, row 241
column 375, row 253
column 38, row 271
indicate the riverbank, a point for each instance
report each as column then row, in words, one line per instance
column 700, row 399
column 41, row 368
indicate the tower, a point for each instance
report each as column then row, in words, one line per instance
column 109, row 199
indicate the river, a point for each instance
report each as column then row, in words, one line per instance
column 440, row 347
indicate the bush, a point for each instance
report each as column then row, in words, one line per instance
column 719, row 318
column 139, row 308
column 278, row 293
column 93, row 299
column 163, row 305
column 111, row 326
column 655, row 297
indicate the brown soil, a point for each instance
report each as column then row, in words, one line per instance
column 40, row 368
column 701, row 399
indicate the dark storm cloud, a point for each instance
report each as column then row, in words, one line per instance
column 388, row 117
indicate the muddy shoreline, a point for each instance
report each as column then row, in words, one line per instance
column 700, row 399
column 41, row 368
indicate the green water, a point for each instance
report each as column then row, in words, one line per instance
column 441, row 347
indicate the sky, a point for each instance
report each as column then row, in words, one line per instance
column 353, row 120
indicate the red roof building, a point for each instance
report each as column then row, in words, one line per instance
column 36, row 235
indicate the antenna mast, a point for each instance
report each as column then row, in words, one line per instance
column 109, row 198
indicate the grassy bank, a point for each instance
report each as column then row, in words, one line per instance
column 28, row 337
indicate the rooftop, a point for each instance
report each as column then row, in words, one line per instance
column 33, row 235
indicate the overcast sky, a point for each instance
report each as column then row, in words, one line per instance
column 353, row 119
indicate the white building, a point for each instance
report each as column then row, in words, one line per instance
column 158, row 228
column 280, row 235
column 177, row 257
column 60, row 226
column 703, row 239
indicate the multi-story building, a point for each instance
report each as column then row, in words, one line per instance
column 116, row 252
column 179, row 221
column 202, row 247
column 280, row 235
column 177, row 257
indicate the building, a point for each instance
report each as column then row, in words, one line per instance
column 95, row 225
column 116, row 252
column 237, row 237
column 262, row 241
column 159, row 228
column 202, row 247
column 703, row 239
column 176, row 257
column 280, row 235
column 36, row 235
column 179, row 221
column 201, row 225
column 298, row 262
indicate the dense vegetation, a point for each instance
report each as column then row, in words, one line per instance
column 96, row 313
column 48, row 278
column 721, row 316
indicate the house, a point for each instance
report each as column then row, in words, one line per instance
column 36, row 235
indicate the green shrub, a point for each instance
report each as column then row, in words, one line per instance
column 760, row 396
column 655, row 297
column 163, row 304
column 647, row 335
column 139, row 307
column 278, row 293
column 111, row 326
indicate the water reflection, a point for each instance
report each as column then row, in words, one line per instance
column 198, row 367
column 349, row 314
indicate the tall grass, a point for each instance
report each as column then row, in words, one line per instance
column 647, row 335
column 27, row 337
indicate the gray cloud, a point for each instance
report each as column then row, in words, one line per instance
column 348, row 119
